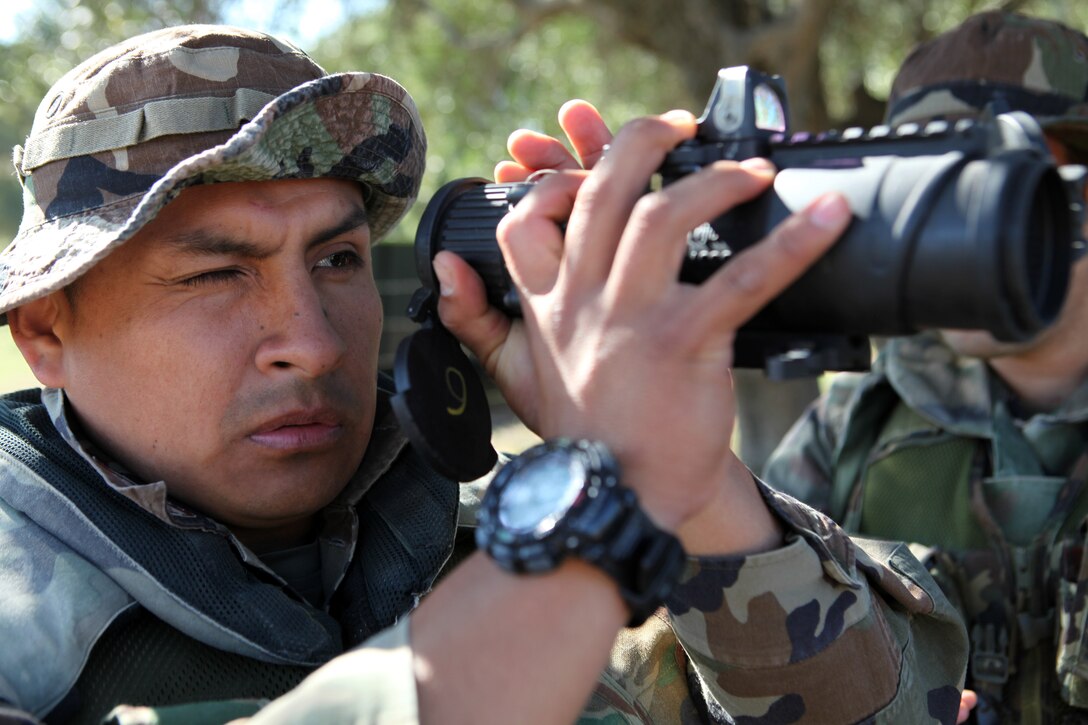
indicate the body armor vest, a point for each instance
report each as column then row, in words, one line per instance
column 1006, row 551
column 406, row 522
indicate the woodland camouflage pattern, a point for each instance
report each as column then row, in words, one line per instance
column 1033, row 65
column 753, row 637
column 123, row 133
column 924, row 450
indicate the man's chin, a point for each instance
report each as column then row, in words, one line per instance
column 267, row 492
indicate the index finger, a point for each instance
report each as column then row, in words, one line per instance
column 758, row 274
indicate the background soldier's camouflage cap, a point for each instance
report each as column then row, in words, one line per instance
column 123, row 133
column 1033, row 65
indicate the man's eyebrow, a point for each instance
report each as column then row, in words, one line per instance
column 354, row 219
column 202, row 242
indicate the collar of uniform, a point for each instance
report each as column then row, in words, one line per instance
column 149, row 496
column 956, row 393
column 339, row 529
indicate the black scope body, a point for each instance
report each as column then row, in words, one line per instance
column 964, row 225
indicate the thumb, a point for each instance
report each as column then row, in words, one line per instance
column 465, row 312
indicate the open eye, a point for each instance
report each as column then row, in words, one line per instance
column 343, row 259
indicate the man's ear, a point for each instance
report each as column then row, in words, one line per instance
column 33, row 328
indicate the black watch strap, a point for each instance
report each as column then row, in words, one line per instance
column 645, row 561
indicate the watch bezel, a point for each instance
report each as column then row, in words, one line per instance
column 534, row 501
column 604, row 526
column 586, row 522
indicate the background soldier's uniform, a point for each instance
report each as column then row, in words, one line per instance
column 929, row 449
column 933, row 450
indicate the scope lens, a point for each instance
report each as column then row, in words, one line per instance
column 1048, row 237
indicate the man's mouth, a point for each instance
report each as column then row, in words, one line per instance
column 300, row 431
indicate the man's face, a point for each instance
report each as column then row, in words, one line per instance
column 230, row 349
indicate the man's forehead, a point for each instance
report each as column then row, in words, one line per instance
column 218, row 215
column 204, row 241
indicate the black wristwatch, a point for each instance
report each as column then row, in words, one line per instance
column 564, row 498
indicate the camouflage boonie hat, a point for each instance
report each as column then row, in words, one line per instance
column 123, row 133
column 1026, row 64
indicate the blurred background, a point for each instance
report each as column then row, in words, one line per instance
column 478, row 69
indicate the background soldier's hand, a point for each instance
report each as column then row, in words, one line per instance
column 968, row 700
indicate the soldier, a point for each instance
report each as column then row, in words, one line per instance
column 209, row 500
column 971, row 448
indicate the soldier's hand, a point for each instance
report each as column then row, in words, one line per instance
column 968, row 700
column 586, row 132
column 620, row 350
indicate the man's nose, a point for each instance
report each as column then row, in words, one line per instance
column 297, row 332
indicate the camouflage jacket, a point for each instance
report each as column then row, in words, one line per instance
column 928, row 449
column 763, row 636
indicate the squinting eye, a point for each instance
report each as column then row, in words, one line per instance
column 341, row 260
column 212, row 277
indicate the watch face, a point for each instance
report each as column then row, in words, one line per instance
column 541, row 492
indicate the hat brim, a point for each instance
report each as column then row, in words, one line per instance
column 1071, row 130
column 357, row 126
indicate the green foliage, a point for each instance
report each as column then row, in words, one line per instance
column 480, row 70
column 58, row 35
column 868, row 38
column 14, row 373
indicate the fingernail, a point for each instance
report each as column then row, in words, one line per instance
column 677, row 115
column 757, row 163
column 829, row 211
column 442, row 271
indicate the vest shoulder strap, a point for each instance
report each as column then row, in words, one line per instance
column 870, row 410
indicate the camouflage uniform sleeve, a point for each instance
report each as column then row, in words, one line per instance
column 801, row 464
column 372, row 684
column 825, row 629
